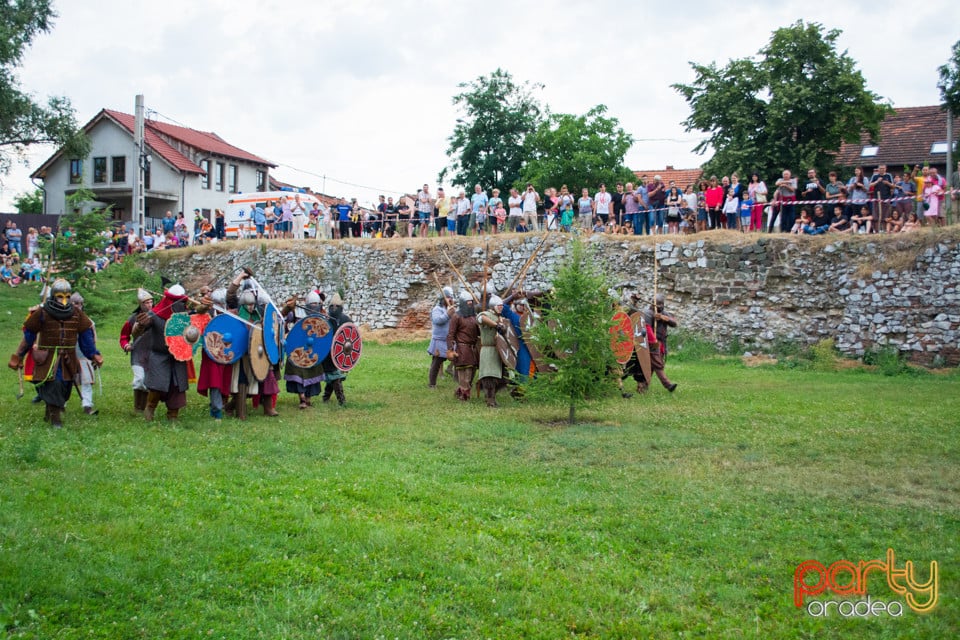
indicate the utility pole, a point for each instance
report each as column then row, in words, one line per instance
column 139, row 199
column 951, row 203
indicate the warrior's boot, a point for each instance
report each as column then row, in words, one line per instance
column 153, row 399
column 55, row 420
column 139, row 400
column 46, row 413
column 231, row 407
column 669, row 386
column 241, row 402
column 490, row 389
column 270, row 406
column 173, row 414
column 338, row 389
column 327, row 391
column 642, row 386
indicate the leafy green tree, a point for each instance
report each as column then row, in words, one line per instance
column 578, row 151
column 29, row 202
column 574, row 333
column 23, row 121
column 80, row 238
column 791, row 108
column 486, row 146
column 949, row 83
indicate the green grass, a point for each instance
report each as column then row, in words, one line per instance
column 410, row 515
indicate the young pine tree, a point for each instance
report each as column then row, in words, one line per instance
column 574, row 333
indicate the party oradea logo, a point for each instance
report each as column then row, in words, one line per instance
column 844, row 578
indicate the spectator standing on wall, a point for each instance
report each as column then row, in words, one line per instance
column 530, row 200
column 787, row 195
column 881, row 185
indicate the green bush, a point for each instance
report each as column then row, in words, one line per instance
column 686, row 346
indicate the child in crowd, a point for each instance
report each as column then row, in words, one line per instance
column 7, row 275
column 730, row 207
column 797, row 228
column 746, row 208
column 895, row 222
column 481, row 219
column 598, row 226
column 500, row 218
column 863, row 221
column 912, row 223
column 809, row 227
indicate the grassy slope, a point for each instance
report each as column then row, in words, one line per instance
column 410, row 515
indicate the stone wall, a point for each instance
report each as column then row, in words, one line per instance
column 757, row 289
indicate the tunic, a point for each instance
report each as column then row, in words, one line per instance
column 462, row 337
column 490, row 364
column 440, row 322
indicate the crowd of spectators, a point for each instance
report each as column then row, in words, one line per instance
column 881, row 202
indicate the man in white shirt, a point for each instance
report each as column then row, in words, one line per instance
column 601, row 204
column 299, row 212
column 530, row 200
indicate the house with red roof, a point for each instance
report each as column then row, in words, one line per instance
column 186, row 169
column 682, row 177
column 908, row 136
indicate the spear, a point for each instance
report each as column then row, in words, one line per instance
column 521, row 274
column 656, row 268
column 460, row 276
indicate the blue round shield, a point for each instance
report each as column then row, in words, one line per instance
column 308, row 342
column 273, row 333
column 226, row 339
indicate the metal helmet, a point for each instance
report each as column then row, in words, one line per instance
column 494, row 301
column 60, row 292
column 313, row 298
column 262, row 297
column 76, row 299
column 448, row 292
column 336, row 300
column 219, row 296
column 143, row 295
column 248, row 298
column 177, row 290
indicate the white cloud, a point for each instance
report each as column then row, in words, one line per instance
column 361, row 91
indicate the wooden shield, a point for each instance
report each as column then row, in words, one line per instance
column 183, row 334
column 259, row 361
column 273, row 333
column 621, row 337
column 226, row 338
column 507, row 354
column 308, row 342
column 510, row 334
column 346, row 347
column 640, row 344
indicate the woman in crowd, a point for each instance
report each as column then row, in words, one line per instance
column 857, row 188
column 757, row 191
column 674, row 203
column 515, row 214
column 713, row 197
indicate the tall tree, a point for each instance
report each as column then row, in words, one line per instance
column 486, row 146
column 949, row 84
column 579, row 151
column 790, row 108
column 575, row 332
column 29, row 202
column 23, row 121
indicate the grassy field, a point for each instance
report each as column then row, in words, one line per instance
column 410, row 515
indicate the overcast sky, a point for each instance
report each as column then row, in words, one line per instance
column 360, row 91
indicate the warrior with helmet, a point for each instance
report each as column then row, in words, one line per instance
column 333, row 375
column 166, row 378
column 305, row 381
column 51, row 334
column 249, row 302
column 440, row 321
column 659, row 322
column 138, row 348
column 214, row 379
column 491, row 366
column 462, row 337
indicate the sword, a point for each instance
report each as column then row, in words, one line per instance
column 99, row 381
column 20, row 380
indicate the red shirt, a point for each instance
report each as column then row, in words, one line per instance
column 713, row 196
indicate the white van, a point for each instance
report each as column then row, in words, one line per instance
column 237, row 222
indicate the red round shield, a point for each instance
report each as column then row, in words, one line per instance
column 346, row 347
column 621, row 337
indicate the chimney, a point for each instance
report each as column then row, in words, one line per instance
column 670, row 167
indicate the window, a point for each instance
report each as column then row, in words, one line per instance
column 941, row 147
column 119, row 168
column 76, row 171
column 261, row 180
column 146, row 176
column 232, row 179
column 218, row 177
column 869, row 152
column 99, row 170
column 205, row 178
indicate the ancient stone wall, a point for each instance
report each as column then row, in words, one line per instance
column 757, row 289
